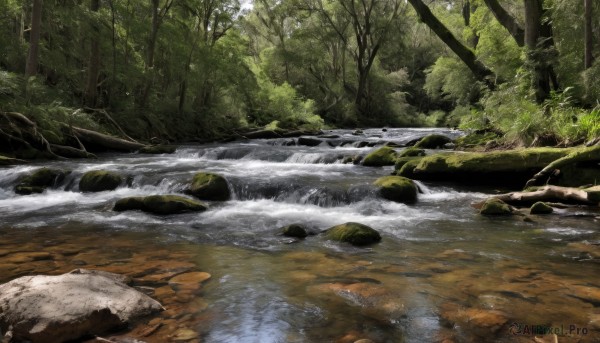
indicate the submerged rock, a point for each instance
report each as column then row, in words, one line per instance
column 209, row 186
column 66, row 307
column 307, row 141
column 540, row 208
column 397, row 188
column 434, row 141
column 159, row 204
column 99, row 180
column 294, row 230
column 39, row 180
column 495, row 207
column 353, row 233
column 384, row 156
column 157, row 149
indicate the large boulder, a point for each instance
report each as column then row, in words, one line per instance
column 209, row 186
column 99, row 180
column 159, row 204
column 397, row 188
column 384, row 156
column 39, row 180
column 434, row 141
column 52, row 309
column 353, row 233
column 495, row 207
column 506, row 168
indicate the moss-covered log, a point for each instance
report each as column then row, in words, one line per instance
column 589, row 155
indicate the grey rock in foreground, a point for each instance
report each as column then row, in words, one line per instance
column 65, row 307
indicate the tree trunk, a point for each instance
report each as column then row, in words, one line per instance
column 149, row 75
column 534, row 41
column 549, row 194
column 480, row 71
column 34, row 39
column 507, row 21
column 589, row 34
column 91, row 91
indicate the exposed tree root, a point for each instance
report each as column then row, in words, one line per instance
column 588, row 154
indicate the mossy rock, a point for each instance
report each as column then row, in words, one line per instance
column 353, row 233
column 39, row 180
column 512, row 167
column 99, row 180
column 157, row 149
column 209, row 186
column 434, row 141
column 384, row 156
column 397, row 188
column 294, row 230
column 412, row 152
column 401, row 161
column 407, row 167
column 495, row 207
column 159, row 204
column 540, row 208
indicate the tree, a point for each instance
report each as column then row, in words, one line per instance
column 588, row 35
column 34, row 39
column 481, row 72
column 94, row 59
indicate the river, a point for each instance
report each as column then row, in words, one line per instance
column 441, row 273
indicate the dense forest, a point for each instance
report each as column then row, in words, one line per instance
column 190, row 69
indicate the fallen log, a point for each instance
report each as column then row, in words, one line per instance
column 569, row 195
column 70, row 152
column 588, row 154
column 97, row 141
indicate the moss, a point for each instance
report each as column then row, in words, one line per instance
column 99, row 180
column 401, row 161
column 159, row 204
column 39, row 180
column 412, row 152
column 433, row 142
column 294, row 230
column 397, row 188
column 158, row 149
column 540, row 208
column 513, row 167
column 408, row 167
column 353, row 233
column 495, row 207
column 384, row 156
column 209, row 186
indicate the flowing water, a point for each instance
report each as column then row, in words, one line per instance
column 441, row 273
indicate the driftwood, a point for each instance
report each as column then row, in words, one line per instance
column 551, row 194
column 588, row 154
column 97, row 139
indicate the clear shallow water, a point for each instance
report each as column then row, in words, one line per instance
column 441, row 271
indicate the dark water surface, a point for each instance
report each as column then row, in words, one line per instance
column 441, row 272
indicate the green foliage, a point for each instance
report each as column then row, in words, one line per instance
column 450, row 79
